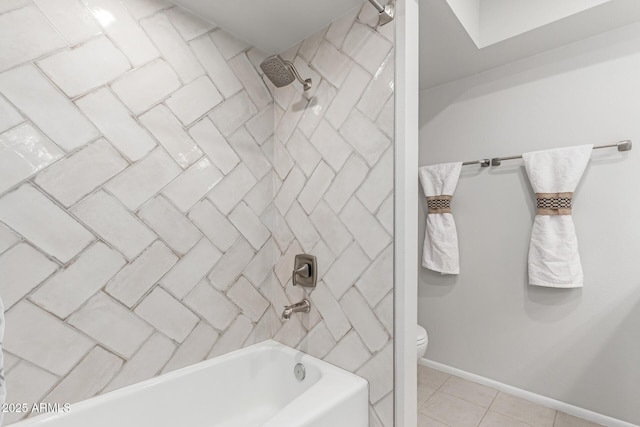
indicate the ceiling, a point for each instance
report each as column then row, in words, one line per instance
column 273, row 26
column 458, row 38
column 448, row 52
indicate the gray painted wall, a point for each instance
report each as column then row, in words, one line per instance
column 580, row 346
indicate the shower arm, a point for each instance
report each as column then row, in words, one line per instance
column 306, row 83
column 377, row 5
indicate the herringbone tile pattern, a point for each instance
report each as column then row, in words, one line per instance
column 154, row 189
column 333, row 161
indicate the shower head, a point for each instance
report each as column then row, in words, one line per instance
column 282, row 72
column 385, row 13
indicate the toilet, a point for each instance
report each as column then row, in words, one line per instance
column 421, row 341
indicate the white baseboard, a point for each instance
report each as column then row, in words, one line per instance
column 527, row 395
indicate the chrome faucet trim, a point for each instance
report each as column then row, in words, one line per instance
column 303, row 306
column 305, row 271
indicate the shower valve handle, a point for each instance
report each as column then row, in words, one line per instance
column 305, row 271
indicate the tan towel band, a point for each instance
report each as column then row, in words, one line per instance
column 439, row 204
column 553, row 203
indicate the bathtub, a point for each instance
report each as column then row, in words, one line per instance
column 252, row 387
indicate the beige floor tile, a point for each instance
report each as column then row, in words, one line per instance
column 424, row 393
column 431, row 377
column 472, row 392
column 523, row 410
column 424, row 421
column 494, row 419
column 566, row 420
column 452, row 410
column 449, row 401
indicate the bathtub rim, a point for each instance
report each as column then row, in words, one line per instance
column 138, row 387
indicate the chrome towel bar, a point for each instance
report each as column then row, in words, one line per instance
column 625, row 145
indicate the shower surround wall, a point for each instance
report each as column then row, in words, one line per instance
column 149, row 216
column 333, row 162
column 136, row 186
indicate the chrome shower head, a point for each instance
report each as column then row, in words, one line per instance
column 385, row 13
column 282, row 72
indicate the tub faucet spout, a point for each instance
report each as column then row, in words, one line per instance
column 303, row 306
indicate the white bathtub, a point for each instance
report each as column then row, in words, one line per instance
column 252, row 387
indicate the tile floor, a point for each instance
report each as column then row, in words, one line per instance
column 446, row 400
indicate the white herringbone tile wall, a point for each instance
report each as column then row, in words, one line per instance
column 153, row 195
column 135, row 195
column 333, row 161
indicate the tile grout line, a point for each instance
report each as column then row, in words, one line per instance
column 488, row 407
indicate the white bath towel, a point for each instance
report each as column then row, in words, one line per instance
column 440, row 250
column 554, row 260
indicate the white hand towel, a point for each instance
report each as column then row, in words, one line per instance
column 554, row 260
column 440, row 250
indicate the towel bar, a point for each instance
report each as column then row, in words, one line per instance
column 625, row 145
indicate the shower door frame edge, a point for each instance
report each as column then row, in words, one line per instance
column 406, row 212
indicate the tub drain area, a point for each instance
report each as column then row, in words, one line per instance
column 299, row 371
